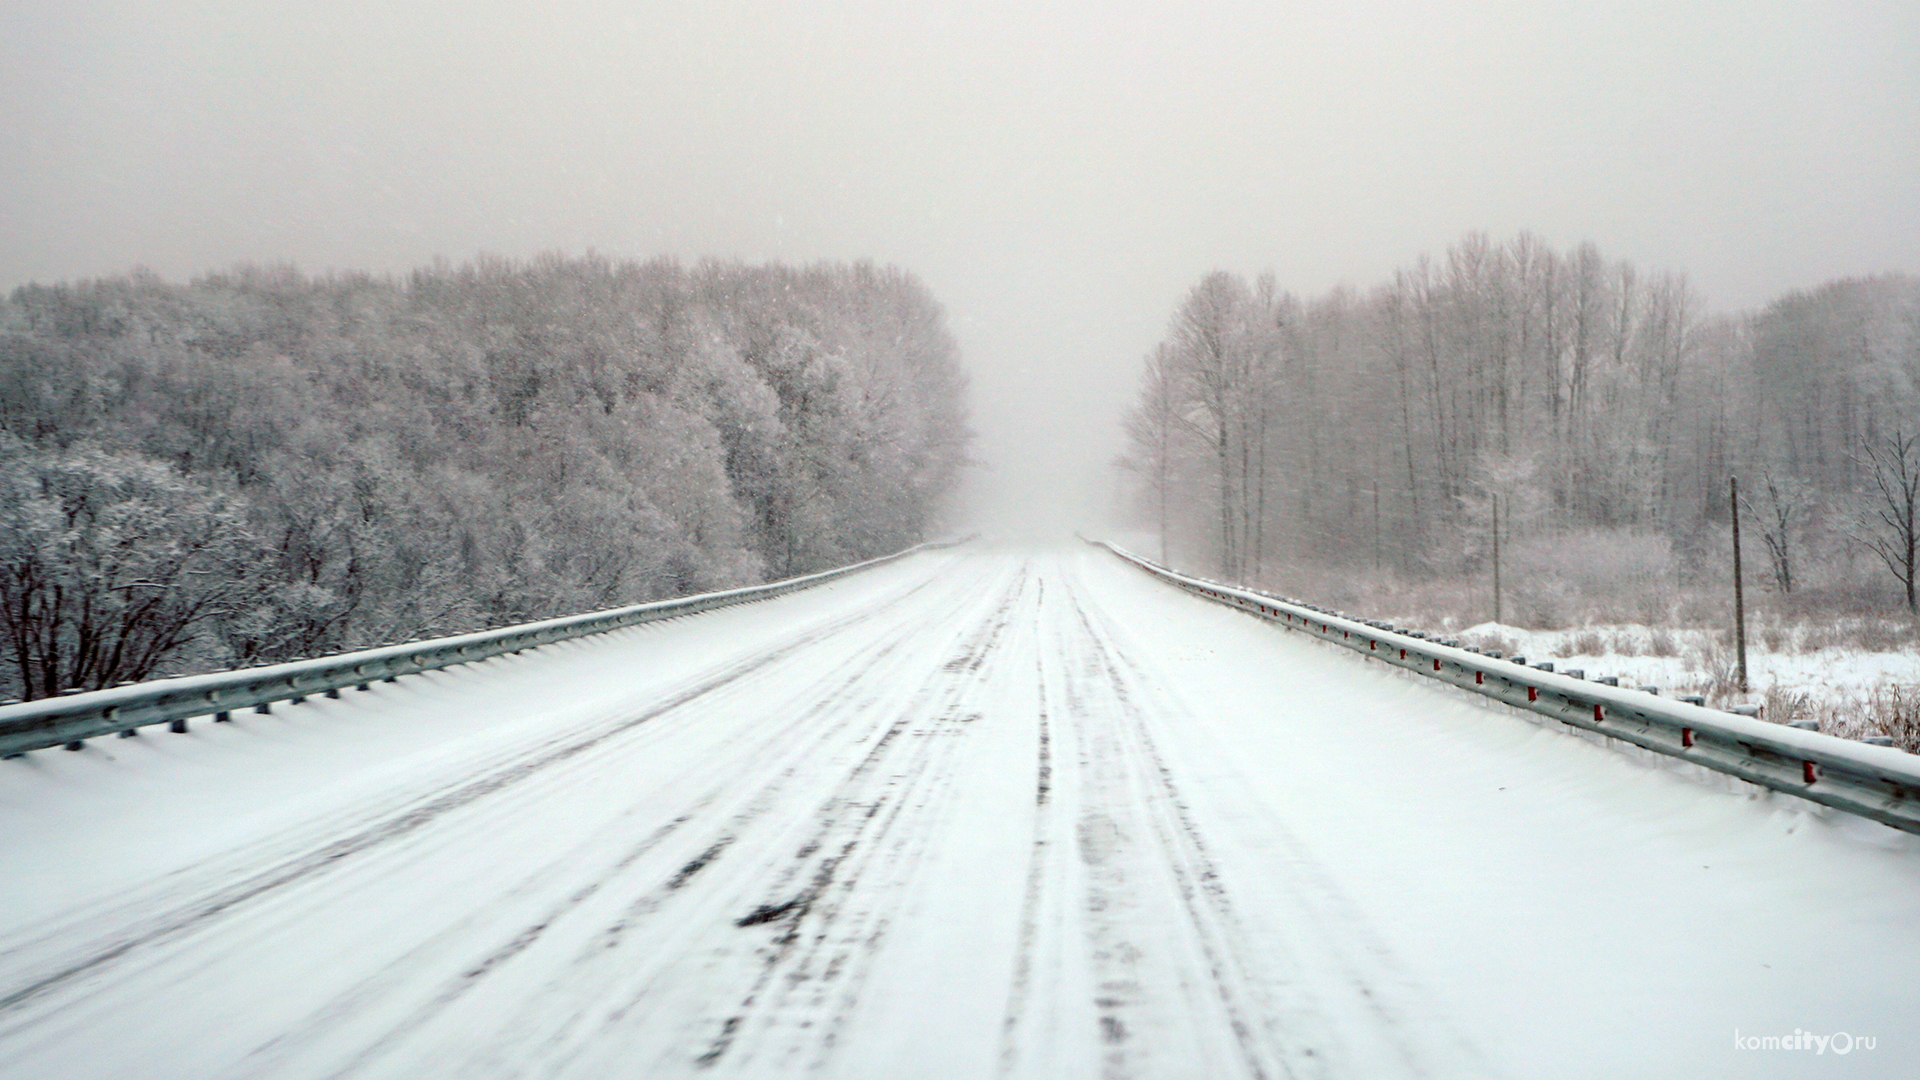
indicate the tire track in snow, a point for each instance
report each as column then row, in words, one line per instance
column 1020, row 993
column 794, row 741
column 198, row 910
column 550, row 1030
column 1379, row 982
column 1136, row 842
column 827, row 932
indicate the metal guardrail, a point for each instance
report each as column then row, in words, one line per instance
column 1877, row 782
column 70, row 720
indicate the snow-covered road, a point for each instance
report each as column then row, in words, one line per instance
column 973, row 814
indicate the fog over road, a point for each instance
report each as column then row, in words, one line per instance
column 979, row 813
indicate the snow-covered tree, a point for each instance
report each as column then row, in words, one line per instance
column 110, row 565
column 498, row 440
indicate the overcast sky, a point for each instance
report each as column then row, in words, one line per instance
column 1058, row 173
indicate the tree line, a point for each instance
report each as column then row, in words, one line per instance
column 259, row 464
column 1596, row 406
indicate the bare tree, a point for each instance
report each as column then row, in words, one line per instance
column 1891, row 529
column 1210, row 338
column 1150, row 431
column 1779, row 519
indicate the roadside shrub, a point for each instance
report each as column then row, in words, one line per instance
column 1896, row 710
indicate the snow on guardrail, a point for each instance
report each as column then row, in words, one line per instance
column 70, row 720
column 1877, row 782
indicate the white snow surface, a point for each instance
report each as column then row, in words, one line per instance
column 980, row 813
column 1832, row 674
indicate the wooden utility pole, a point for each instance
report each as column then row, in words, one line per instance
column 1739, row 595
column 1496, row 558
column 1376, row 528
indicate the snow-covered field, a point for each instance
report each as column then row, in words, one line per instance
column 1835, row 685
column 978, row 813
column 1693, row 659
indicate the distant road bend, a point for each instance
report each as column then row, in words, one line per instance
column 976, row 813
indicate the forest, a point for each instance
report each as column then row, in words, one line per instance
column 1584, row 415
column 261, row 465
